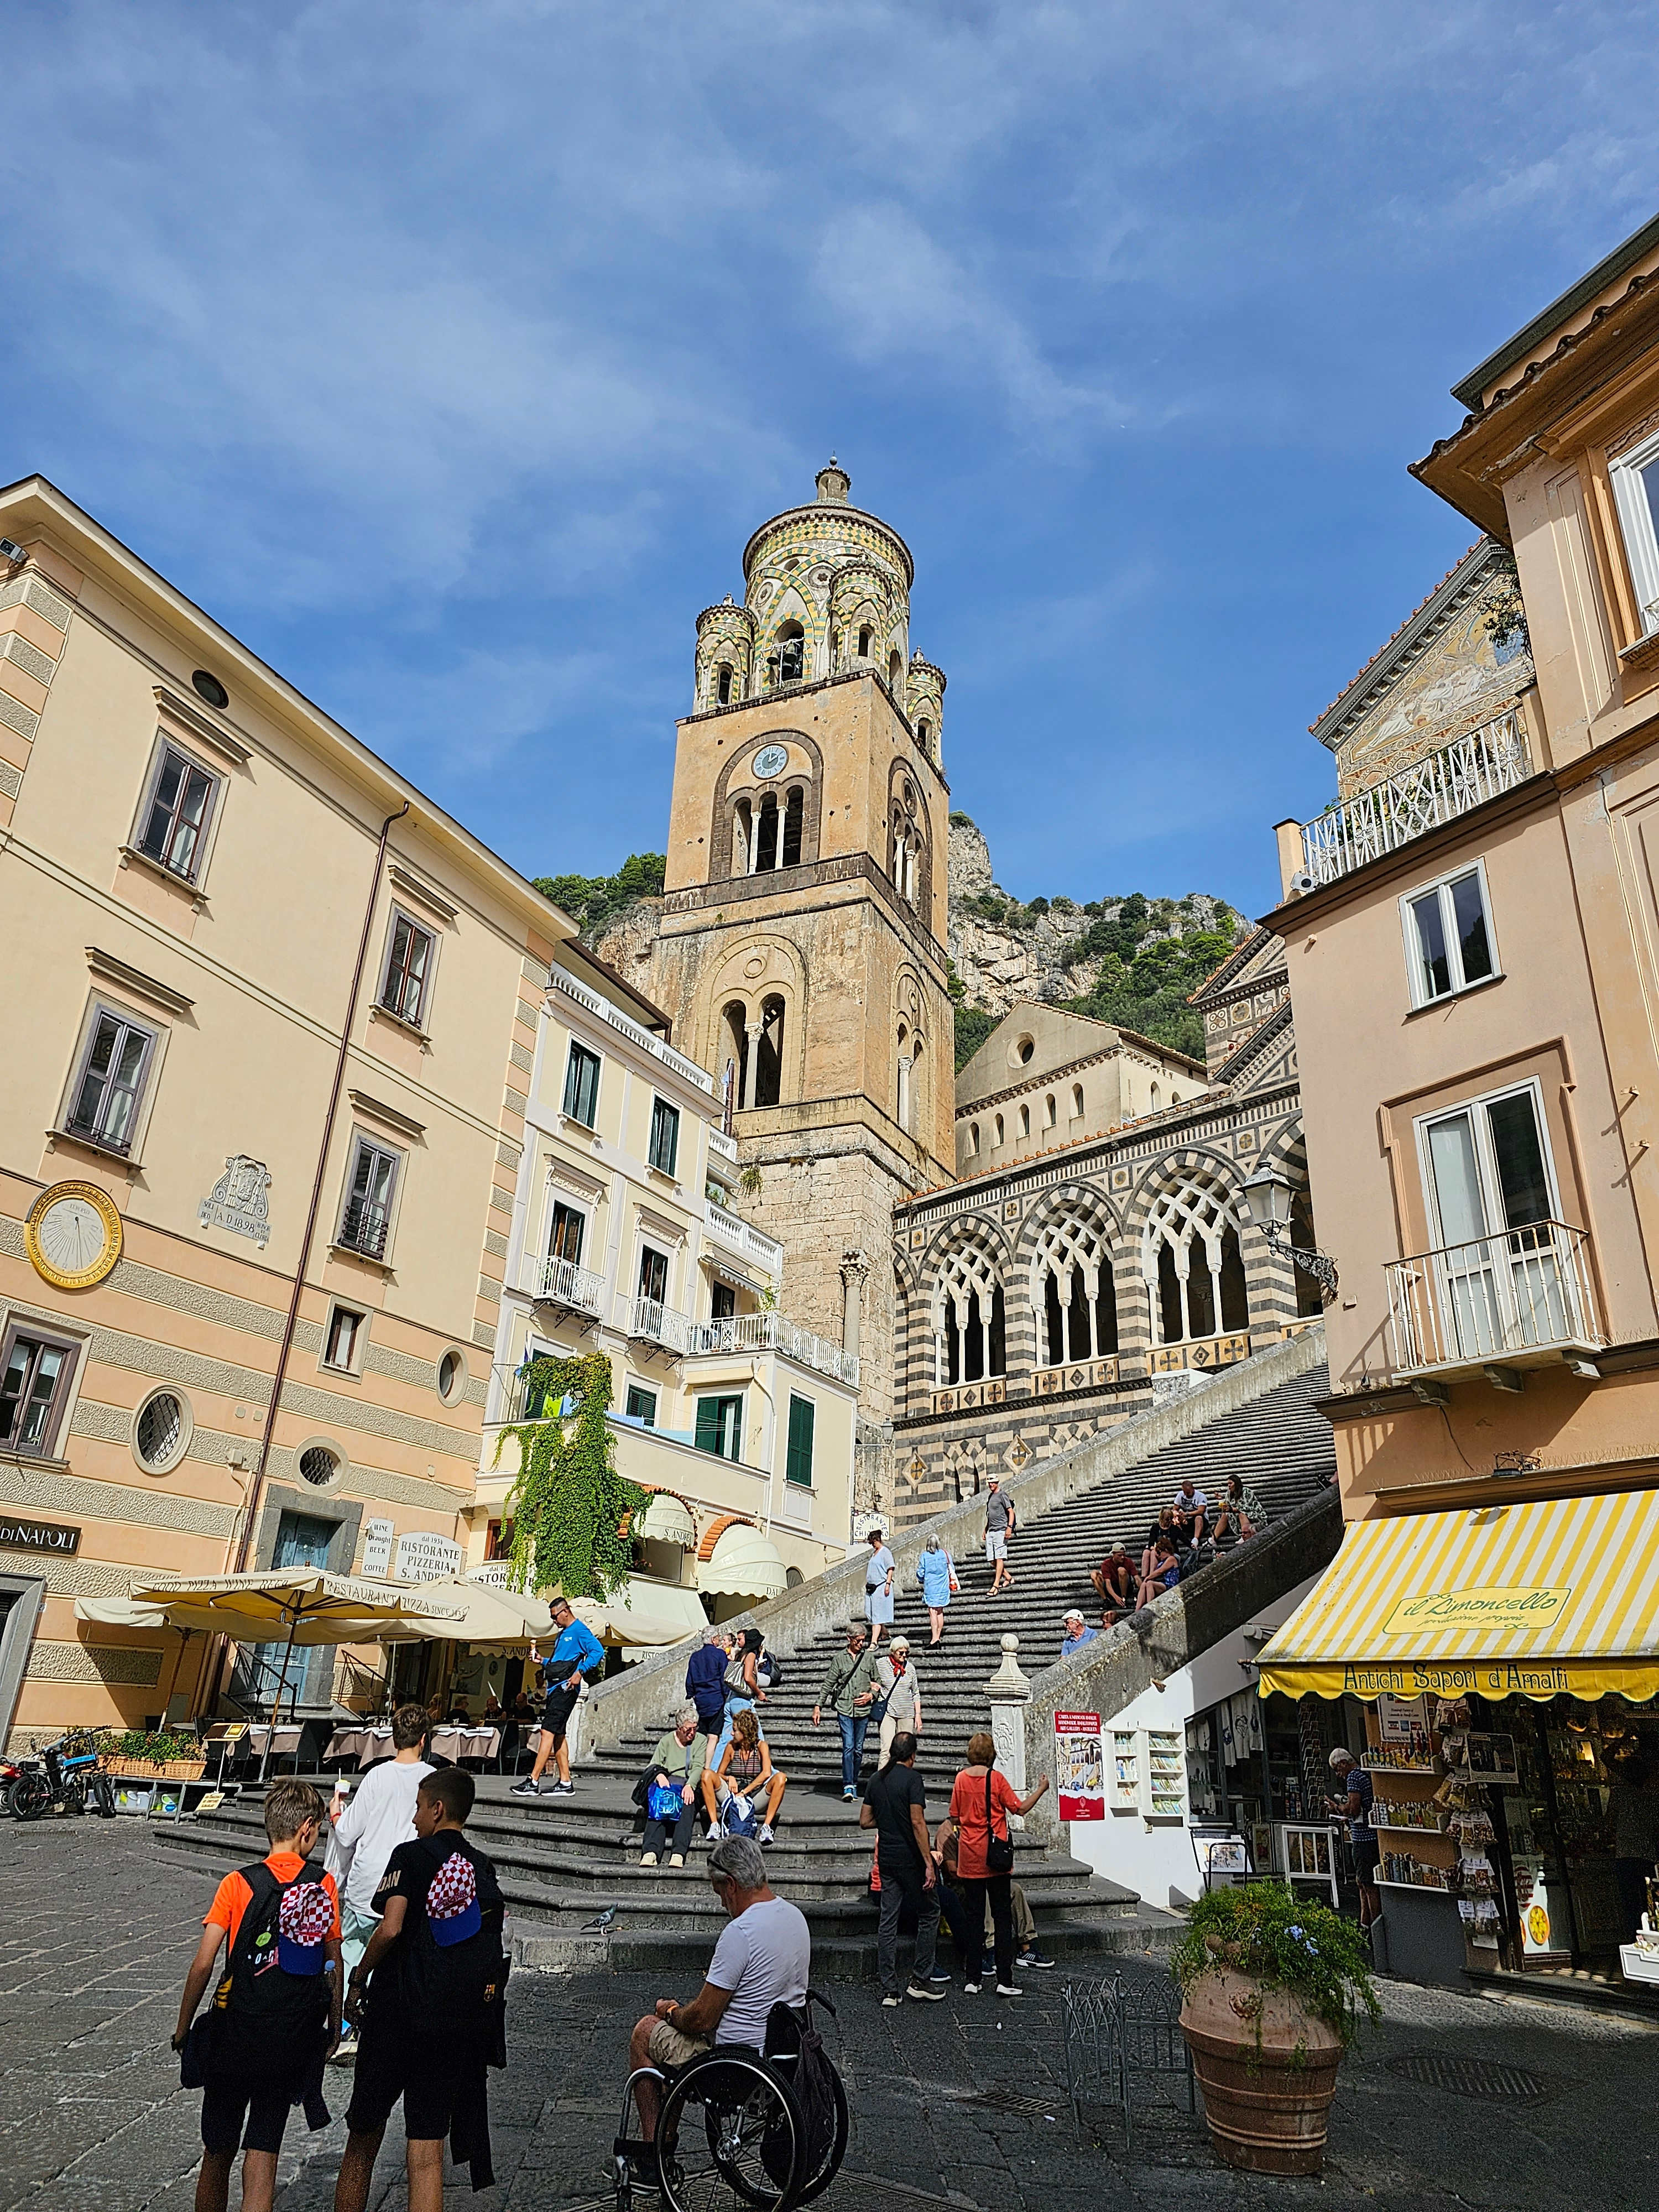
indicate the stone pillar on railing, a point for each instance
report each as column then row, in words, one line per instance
column 855, row 1271
column 1010, row 1692
column 1289, row 835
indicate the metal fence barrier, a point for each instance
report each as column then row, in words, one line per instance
column 1124, row 2046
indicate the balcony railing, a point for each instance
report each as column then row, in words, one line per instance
column 562, row 1283
column 558, row 981
column 650, row 1323
column 770, row 1332
column 1521, row 1292
column 722, row 1146
column 1460, row 776
column 738, row 1237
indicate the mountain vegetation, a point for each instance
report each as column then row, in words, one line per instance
column 591, row 901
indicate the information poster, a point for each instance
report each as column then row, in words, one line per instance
column 1079, row 1766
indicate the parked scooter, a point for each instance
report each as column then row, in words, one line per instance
column 66, row 1778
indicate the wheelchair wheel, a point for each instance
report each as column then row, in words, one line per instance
column 829, row 2166
column 729, row 2139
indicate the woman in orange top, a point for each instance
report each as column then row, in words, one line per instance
column 980, row 1802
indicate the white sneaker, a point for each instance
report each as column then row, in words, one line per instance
column 971, row 1989
column 648, row 1858
column 1007, row 1990
column 765, row 1835
column 676, row 1858
column 717, row 1833
column 892, row 1998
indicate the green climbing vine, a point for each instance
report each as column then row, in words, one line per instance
column 569, row 1506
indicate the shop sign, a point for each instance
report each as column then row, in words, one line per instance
column 492, row 1574
column 39, row 1536
column 1506, row 1610
column 1492, row 1678
column 423, row 1556
column 1079, row 1766
column 377, row 1550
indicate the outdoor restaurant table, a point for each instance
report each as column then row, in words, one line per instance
column 458, row 1743
column 238, row 1740
column 365, row 1745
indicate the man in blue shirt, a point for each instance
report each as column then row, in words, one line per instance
column 1077, row 1635
column 577, row 1652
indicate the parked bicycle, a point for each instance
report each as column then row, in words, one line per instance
column 63, row 1777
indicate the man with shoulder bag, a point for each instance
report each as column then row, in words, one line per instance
column 850, row 1690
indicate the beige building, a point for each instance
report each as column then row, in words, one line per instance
column 626, row 1239
column 800, row 948
column 222, row 1158
column 1045, row 1079
column 1472, row 944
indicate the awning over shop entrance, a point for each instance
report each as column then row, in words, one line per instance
column 740, row 1562
column 1560, row 1597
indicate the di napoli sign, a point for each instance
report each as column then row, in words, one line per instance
column 55, row 1536
column 1479, row 1611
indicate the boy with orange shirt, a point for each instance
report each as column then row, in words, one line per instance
column 276, row 2008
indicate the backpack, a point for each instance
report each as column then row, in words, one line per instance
column 740, row 1816
column 769, row 1672
column 272, row 1999
column 453, row 1958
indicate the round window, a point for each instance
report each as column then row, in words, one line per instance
column 161, row 1432
column 1026, row 1048
column 451, row 1377
column 210, row 688
column 319, row 1467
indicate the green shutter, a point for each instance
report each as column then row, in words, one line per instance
column 798, row 1467
column 709, row 1425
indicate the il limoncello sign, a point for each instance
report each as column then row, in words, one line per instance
column 1478, row 1611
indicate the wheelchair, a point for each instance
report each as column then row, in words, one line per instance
column 733, row 2135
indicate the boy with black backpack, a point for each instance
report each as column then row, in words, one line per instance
column 276, row 2013
column 428, row 1995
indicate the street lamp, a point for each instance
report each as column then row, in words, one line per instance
column 1267, row 1201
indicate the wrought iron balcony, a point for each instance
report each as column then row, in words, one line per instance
column 770, row 1332
column 738, row 1236
column 1460, row 776
column 650, row 1323
column 1497, row 1301
column 562, row 1283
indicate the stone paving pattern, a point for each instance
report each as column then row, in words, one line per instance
column 98, row 1930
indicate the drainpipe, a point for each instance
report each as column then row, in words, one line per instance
column 256, row 1481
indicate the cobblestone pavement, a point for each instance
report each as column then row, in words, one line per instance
column 98, row 1930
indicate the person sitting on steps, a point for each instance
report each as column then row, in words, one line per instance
column 1113, row 1581
column 745, row 1770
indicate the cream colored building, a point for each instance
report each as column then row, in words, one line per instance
column 194, row 861
column 625, row 1239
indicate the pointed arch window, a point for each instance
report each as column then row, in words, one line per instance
column 789, row 654
column 1193, row 1270
column 766, row 834
column 906, row 842
column 723, row 683
column 1073, row 1289
column 895, row 670
column 864, row 642
column 768, row 1053
column 794, row 812
column 734, row 1024
column 1077, row 1101
column 969, row 1322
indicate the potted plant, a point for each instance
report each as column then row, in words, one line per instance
column 155, row 1755
column 1272, row 1987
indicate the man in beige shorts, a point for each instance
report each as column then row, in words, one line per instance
column 763, row 1958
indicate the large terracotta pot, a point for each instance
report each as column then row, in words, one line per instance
column 1268, row 2083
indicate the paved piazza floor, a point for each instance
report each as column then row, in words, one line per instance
column 96, row 1932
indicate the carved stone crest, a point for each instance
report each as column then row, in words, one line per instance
column 238, row 1202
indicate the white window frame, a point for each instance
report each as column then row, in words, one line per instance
column 100, row 1003
column 1636, row 520
column 1442, row 884
column 1491, row 1193
column 420, row 1020
column 166, row 742
column 666, row 1107
column 360, row 1137
column 575, row 1045
column 354, row 1365
column 559, row 1195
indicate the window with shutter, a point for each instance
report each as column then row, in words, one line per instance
column 366, row 1218
column 408, row 969
column 566, row 1240
column 665, row 1135
column 803, row 1416
column 719, row 1426
column 581, row 1086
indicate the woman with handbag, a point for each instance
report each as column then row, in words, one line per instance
column 670, row 1788
column 878, row 1568
column 980, row 1802
column 936, row 1571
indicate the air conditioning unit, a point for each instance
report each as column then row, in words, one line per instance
column 1303, row 882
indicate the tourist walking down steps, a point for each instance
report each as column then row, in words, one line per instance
column 936, row 1571
column 849, row 1690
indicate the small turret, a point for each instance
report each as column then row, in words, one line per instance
column 834, row 483
column 924, row 703
column 725, row 656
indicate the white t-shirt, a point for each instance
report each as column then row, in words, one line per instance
column 1196, row 1504
column 764, row 1957
column 380, row 1816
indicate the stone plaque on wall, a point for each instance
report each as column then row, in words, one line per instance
column 238, row 1202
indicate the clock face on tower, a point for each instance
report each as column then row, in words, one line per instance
column 771, row 760
column 73, row 1235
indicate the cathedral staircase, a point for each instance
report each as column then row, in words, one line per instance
column 565, row 1862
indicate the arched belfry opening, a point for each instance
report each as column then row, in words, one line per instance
column 768, row 1053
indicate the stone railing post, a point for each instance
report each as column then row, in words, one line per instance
column 1010, row 1692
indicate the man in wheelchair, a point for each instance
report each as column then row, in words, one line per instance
column 763, row 1958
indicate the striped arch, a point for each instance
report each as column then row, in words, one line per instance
column 969, row 1306
column 1069, row 1251
column 1190, row 1257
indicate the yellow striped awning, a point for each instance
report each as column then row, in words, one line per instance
column 1560, row 1597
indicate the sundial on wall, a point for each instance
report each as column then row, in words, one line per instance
column 771, row 760
column 72, row 1236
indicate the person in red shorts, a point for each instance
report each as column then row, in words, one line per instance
column 276, row 2012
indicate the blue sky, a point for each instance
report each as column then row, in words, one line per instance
column 449, row 354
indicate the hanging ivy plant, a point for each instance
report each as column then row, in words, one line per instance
column 569, row 1505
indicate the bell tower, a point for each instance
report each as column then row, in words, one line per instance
column 801, row 945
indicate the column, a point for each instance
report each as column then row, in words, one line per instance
column 1010, row 1692
column 751, row 1063
column 854, row 1269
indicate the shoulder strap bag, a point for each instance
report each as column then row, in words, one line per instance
column 998, row 1850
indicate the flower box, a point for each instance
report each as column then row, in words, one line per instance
column 152, row 1769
